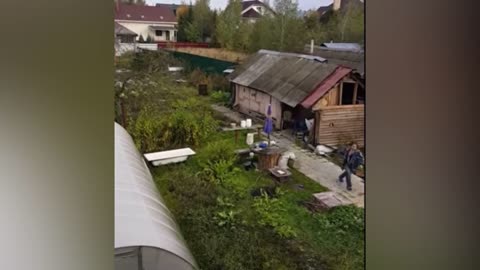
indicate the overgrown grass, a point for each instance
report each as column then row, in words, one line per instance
column 226, row 227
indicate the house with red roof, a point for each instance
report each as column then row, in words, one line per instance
column 252, row 10
column 157, row 22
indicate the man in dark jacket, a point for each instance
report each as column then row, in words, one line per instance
column 352, row 160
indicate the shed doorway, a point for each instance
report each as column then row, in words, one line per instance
column 348, row 95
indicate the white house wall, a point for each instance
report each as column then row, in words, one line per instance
column 143, row 28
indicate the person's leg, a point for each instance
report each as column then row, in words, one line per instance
column 349, row 178
column 341, row 176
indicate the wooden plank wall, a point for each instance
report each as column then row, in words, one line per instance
column 340, row 124
column 329, row 99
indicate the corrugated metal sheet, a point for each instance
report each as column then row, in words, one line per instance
column 354, row 47
column 326, row 85
column 256, row 69
column 349, row 59
column 287, row 77
column 306, row 56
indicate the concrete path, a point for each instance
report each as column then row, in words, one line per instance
column 313, row 166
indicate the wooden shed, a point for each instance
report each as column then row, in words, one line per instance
column 302, row 87
column 338, row 105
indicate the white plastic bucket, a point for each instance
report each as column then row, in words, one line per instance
column 243, row 123
column 249, row 122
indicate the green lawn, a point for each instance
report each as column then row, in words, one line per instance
column 224, row 225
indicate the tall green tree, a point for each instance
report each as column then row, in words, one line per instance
column 228, row 23
column 286, row 21
column 351, row 25
column 263, row 35
column 184, row 17
column 200, row 27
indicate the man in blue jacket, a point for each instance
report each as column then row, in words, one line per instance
column 352, row 160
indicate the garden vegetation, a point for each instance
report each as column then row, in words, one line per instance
column 231, row 218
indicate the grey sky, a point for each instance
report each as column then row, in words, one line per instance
column 220, row 4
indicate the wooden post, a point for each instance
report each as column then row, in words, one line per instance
column 236, row 136
column 354, row 101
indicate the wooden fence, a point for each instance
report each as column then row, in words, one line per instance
column 336, row 125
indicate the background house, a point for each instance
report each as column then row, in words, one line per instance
column 301, row 87
column 157, row 22
column 252, row 10
column 339, row 5
column 124, row 39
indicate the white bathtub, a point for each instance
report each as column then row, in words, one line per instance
column 170, row 156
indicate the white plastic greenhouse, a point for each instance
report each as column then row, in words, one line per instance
column 146, row 236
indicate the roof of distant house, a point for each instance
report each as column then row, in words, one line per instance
column 251, row 14
column 172, row 6
column 144, row 13
column 322, row 10
column 249, row 3
column 344, row 4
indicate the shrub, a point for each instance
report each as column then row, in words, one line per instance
column 217, row 151
column 145, row 130
column 272, row 213
column 220, row 97
column 198, row 77
column 184, row 128
column 153, row 61
column 219, row 82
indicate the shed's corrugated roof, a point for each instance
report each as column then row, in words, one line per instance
column 349, row 59
column 289, row 78
column 141, row 216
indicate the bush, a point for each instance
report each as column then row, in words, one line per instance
column 217, row 151
column 153, row 61
column 272, row 213
column 145, row 130
column 219, row 82
column 184, row 128
column 198, row 77
column 220, row 97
